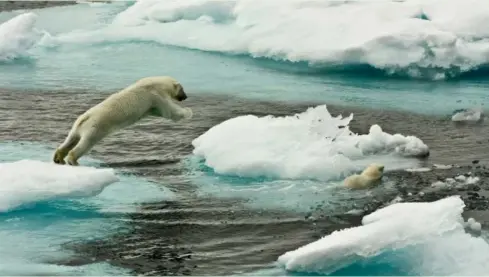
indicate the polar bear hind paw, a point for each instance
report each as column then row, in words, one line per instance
column 59, row 157
column 72, row 160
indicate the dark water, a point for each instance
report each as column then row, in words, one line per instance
column 193, row 235
column 47, row 117
column 20, row 5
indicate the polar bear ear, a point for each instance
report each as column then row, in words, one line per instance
column 177, row 87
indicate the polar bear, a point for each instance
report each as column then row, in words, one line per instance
column 150, row 96
column 370, row 177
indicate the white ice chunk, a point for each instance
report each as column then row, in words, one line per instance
column 29, row 181
column 309, row 145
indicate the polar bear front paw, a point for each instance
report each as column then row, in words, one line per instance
column 188, row 113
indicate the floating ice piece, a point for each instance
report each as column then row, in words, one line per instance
column 420, row 169
column 420, row 39
column 428, row 237
column 459, row 181
column 468, row 115
column 28, row 181
column 309, row 145
column 442, row 166
column 474, row 225
column 18, row 35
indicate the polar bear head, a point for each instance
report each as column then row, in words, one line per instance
column 165, row 86
column 373, row 171
column 178, row 92
column 176, row 89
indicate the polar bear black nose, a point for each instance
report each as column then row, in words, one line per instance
column 181, row 95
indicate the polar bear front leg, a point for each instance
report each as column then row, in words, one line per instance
column 168, row 109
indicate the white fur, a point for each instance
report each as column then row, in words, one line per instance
column 151, row 96
column 367, row 179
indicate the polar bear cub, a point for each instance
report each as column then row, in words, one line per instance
column 150, row 96
column 370, row 177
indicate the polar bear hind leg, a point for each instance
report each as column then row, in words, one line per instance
column 87, row 141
